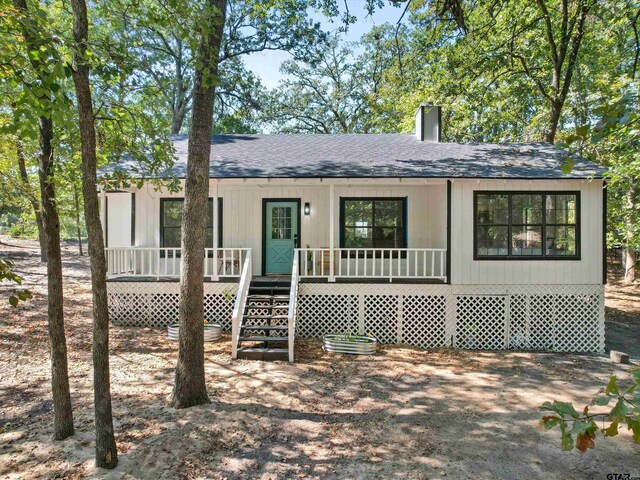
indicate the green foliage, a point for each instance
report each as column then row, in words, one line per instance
column 331, row 89
column 612, row 138
column 324, row 94
column 495, row 80
column 7, row 274
column 579, row 430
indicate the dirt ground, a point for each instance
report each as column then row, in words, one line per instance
column 404, row 413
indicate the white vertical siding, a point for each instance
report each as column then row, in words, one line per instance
column 242, row 212
column 466, row 270
column 119, row 219
column 426, row 223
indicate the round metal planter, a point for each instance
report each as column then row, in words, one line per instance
column 212, row 331
column 351, row 344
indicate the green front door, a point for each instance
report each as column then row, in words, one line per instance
column 281, row 234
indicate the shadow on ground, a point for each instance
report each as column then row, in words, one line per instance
column 404, row 413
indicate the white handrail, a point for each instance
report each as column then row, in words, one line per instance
column 374, row 263
column 241, row 301
column 293, row 305
column 165, row 262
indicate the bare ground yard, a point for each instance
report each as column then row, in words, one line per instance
column 405, row 413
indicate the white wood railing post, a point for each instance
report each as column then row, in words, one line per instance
column 332, row 212
column 241, row 301
column 158, row 266
column 427, row 263
column 103, row 214
column 293, row 299
column 216, row 214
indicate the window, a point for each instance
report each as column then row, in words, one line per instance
column 171, row 222
column 373, row 223
column 281, row 223
column 526, row 225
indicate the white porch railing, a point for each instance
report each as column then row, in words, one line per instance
column 165, row 262
column 241, row 301
column 373, row 263
column 293, row 306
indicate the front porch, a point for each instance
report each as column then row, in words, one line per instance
column 361, row 299
column 143, row 286
column 371, row 265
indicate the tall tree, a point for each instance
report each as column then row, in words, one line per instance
column 26, row 184
column 159, row 43
column 532, row 51
column 42, row 58
column 564, row 29
column 329, row 91
column 190, row 388
column 106, row 452
column 612, row 138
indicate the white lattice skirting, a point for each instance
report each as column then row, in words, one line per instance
column 563, row 318
column 155, row 304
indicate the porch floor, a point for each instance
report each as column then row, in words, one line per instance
column 280, row 278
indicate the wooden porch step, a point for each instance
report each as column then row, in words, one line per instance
column 263, row 349
column 263, row 339
column 265, row 307
column 265, row 303
column 266, row 317
column 268, row 288
column 266, row 297
column 263, row 353
column 264, row 327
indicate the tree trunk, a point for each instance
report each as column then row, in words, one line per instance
column 24, row 177
column 630, row 254
column 556, row 111
column 180, row 100
column 76, row 204
column 190, row 388
column 177, row 119
column 63, row 414
column 630, row 266
column 62, row 411
column 564, row 56
column 106, row 453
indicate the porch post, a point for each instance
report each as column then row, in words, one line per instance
column 448, row 254
column 103, row 214
column 332, row 226
column 103, row 220
column 214, row 275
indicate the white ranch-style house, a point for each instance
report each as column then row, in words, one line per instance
column 400, row 236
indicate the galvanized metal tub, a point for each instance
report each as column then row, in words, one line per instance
column 212, row 331
column 351, row 344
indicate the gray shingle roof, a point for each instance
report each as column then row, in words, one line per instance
column 376, row 155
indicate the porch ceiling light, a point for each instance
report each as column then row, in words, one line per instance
column 307, row 208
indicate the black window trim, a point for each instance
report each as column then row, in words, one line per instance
column 543, row 256
column 405, row 229
column 181, row 199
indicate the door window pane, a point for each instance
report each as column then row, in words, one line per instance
column 281, row 223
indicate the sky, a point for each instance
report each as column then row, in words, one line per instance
column 267, row 64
